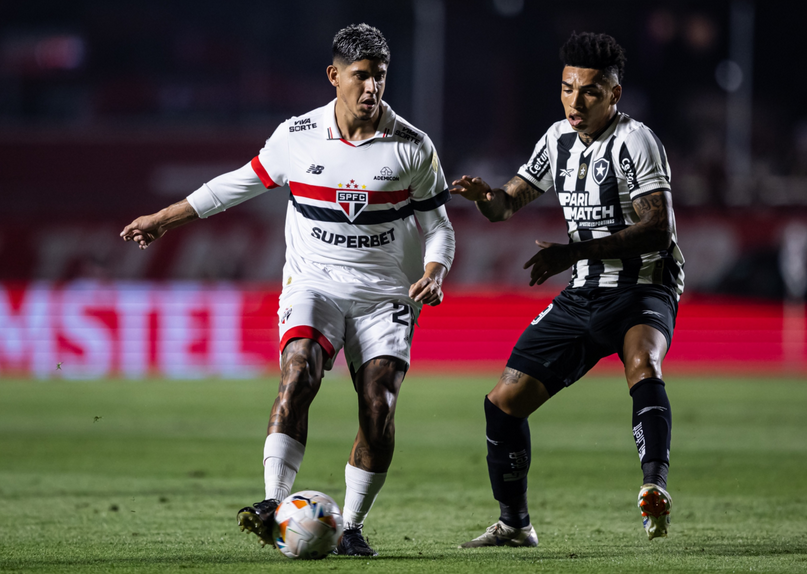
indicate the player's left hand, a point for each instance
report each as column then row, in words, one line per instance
column 427, row 290
column 551, row 260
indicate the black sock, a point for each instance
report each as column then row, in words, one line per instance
column 508, row 439
column 652, row 427
column 655, row 472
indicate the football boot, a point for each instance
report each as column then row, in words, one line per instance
column 259, row 519
column 655, row 504
column 500, row 534
column 353, row 543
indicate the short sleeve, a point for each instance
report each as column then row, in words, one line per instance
column 428, row 188
column 272, row 163
column 643, row 163
column 537, row 171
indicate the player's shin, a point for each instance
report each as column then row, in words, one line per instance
column 282, row 457
column 509, row 455
column 652, row 429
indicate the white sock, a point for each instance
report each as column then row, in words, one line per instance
column 362, row 489
column 282, row 456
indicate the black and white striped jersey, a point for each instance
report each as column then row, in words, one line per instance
column 596, row 186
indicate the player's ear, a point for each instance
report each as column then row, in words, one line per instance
column 333, row 75
column 616, row 94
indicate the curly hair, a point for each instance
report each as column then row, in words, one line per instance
column 595, row 51
column 360, row 42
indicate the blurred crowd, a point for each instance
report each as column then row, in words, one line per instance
column 111, row 108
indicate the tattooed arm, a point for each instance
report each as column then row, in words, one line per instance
column 496, row 204
column 653, row 232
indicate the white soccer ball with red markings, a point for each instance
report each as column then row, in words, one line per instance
column 308, row 525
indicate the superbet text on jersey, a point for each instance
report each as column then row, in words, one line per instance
column 596, row 186
column 352, row 206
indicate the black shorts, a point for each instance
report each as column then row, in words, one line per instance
column 581, row 326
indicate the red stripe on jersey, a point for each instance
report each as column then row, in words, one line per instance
column 329, row 193
column 305, row 332
column 261, row 173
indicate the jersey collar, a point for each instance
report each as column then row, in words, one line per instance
column 386, row 127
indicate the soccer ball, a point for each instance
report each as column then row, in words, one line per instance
column 308, row 525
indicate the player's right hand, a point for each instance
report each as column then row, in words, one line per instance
column 472, row 188
column 144, row 230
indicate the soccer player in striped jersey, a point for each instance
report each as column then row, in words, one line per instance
column 612, row 178
column 361, row 180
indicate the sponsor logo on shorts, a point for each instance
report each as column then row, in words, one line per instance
column 542, row 315
column 285, row 316
column 353, row 241
column 601, row 170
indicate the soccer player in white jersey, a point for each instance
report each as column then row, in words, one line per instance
column 361, row 179
column 612, row 178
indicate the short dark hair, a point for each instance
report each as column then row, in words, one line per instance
column 360, row 42
column 595, row 51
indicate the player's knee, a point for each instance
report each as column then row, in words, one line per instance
column 519, row 400
column 643, row 365
column 301, row 378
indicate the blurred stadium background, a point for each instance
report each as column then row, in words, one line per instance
column 109, row 110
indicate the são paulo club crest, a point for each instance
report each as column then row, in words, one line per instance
column 352, row 201
column 600, row 168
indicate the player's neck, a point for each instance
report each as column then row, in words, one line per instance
column 354, row 129
column 588, row 139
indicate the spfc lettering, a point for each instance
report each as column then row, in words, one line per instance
column 352, row 202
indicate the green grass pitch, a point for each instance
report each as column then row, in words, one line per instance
column 120, row 476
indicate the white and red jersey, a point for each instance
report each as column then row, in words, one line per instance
column 353, row 206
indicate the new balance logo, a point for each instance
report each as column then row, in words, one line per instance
column 315, row 169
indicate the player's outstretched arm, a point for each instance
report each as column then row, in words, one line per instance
column 653, row 232
column 147, row 228
column 428, row 289
column 497, row 204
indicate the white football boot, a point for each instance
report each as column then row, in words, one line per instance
column 500, row 534
column 655, row 504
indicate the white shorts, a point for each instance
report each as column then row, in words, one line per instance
column 366, row 329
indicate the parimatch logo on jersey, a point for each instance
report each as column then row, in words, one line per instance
column 352, row 202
